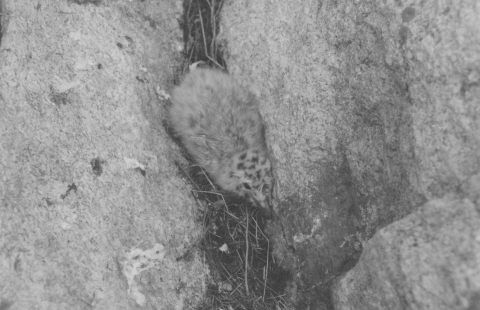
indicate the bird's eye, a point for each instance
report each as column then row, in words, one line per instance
column 247, row 186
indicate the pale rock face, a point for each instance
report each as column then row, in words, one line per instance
column 373, row 110
column 428, row 260
column 90, row 204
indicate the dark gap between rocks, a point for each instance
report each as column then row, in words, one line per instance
column 244, row 274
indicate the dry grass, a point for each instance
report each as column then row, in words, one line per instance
column 244, row 273
column 200, row 30
column 239, row 252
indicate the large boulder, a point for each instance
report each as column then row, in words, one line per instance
column 93, row 214
column 428, row 260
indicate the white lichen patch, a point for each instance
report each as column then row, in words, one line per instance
column 300, row 237
column 162, row 94
column 132, row 163
column 138, row 260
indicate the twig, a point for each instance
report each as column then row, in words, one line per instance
column 246, row 257
column 219, row 7
column 203, row 32
column 214, row 29
column 205, row 41
column 208, row 179
column 266, row 271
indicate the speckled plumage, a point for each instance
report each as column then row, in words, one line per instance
column 219, row 123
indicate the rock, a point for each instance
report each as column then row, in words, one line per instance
column 428, row 260
column 93, row 212
column 372, row 109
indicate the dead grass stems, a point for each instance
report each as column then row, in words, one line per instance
column 200, row 31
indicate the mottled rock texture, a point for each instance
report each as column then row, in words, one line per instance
column 428, row 260
column 373, row 109
column 93, row 214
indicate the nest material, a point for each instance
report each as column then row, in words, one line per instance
column 238, row 252
column 200, row 30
